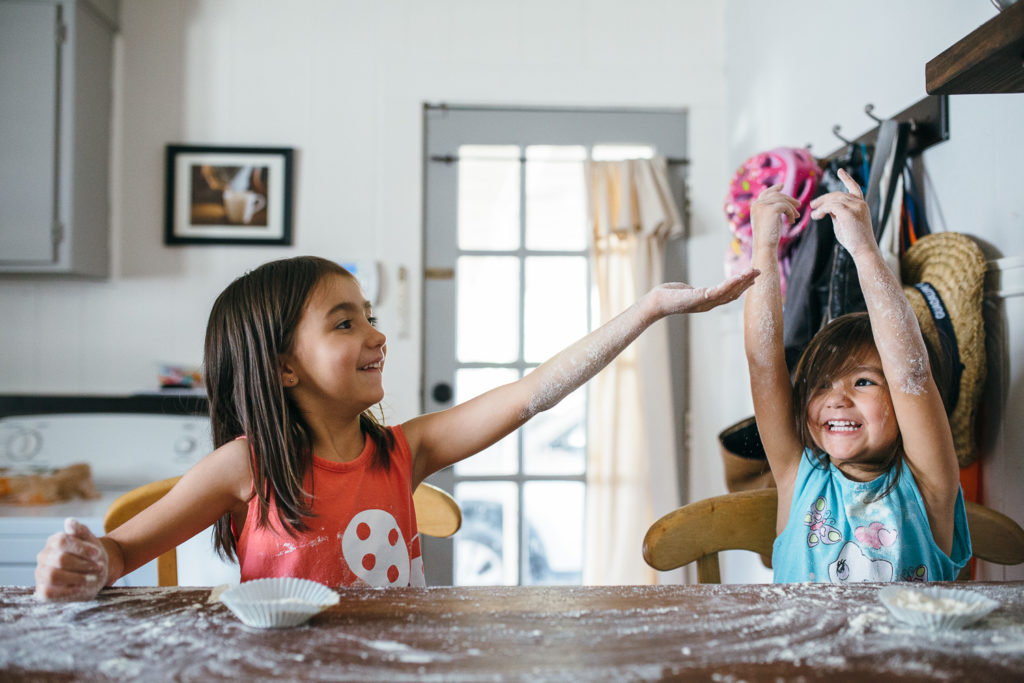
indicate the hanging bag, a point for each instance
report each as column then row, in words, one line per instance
column 844, row 295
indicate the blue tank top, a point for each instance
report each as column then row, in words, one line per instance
column 838, row 533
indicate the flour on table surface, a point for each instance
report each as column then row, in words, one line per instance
column 123, row 633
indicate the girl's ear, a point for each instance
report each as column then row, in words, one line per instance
column 288, row 376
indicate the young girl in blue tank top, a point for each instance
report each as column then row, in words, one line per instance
column 858, row 442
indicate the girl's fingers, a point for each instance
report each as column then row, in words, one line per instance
column 851, row 185
column 55, row 583
column 56, row 591
column 778, row 198
column 774, row 193
column 731, row 288
column 71, row 545
column 833, row 201
column 679, row 297
column 74, row 563
column 75, row 528
column 741, row 281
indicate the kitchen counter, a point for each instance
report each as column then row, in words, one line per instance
column 708, row 632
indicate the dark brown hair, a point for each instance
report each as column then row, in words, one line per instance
column 836, row 349
column 251, row 324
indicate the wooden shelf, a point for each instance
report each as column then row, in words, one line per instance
column 988, row 60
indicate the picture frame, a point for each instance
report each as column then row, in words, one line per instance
column 228, row 195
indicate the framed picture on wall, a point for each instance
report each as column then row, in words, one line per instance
column 228, row 195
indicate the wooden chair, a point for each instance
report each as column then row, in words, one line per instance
column 437, row 514
column 746, row 521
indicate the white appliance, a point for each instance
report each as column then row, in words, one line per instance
column 127, row 441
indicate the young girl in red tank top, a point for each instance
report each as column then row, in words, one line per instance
column 316, row 487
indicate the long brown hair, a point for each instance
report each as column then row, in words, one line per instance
column 837, row 349
column 251, row 324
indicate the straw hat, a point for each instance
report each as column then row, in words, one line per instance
column 943, row 276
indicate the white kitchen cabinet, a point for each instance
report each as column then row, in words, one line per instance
column 56, row 64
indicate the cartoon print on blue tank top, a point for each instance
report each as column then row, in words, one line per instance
column 919, row 574
column 852, row 566
column 875, row 535
column 821, row 522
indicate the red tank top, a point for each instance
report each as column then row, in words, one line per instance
column 363, row 531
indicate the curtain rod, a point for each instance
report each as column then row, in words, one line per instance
column 453, row 158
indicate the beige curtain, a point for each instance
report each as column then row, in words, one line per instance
column 631, row 466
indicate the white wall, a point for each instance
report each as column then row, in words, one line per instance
column 344, row 83
column 797, row 67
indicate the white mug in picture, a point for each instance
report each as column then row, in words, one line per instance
column 241, row 205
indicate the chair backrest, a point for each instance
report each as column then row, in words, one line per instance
column 697, row 532
column 437, row 514
column 746, row 521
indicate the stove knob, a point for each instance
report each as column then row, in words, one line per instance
column 23, row 444
column 184, row 446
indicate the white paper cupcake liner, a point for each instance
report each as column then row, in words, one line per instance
column 940, row 609
column 278, row 603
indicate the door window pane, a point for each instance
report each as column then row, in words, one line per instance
column 502, row 457
column 555, row 312
column 488, row 201
column 487, row 309
column 554, row 442
column 487, row 545
column 554, row 532
column 555, row 201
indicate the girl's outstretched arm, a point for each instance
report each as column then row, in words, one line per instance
column 76, row 565
column 443, row 438
column 766, row 358
column 927, row 438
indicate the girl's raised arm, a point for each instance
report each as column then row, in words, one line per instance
column 924, row 427
column 446, row 437
column 762, row 338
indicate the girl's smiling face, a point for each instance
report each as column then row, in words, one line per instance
column 851, row 418
column 337, row 354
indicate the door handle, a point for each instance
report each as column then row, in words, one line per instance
column 441, row 392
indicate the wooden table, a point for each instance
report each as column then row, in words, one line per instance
column 623, row 633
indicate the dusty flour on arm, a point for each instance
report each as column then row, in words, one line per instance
column 899, row 344
column 568, row 370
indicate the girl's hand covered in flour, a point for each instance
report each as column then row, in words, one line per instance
column 851, row 218
column 678, row 297
column 72, row 565
column 769, row 213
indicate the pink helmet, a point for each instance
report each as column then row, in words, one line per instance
column 797, row 170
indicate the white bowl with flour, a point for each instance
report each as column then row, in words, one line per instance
column 936, row 608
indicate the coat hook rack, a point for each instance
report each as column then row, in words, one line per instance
column 835, row 131
column 929, row 125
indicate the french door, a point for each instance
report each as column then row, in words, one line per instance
column 507, row 285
